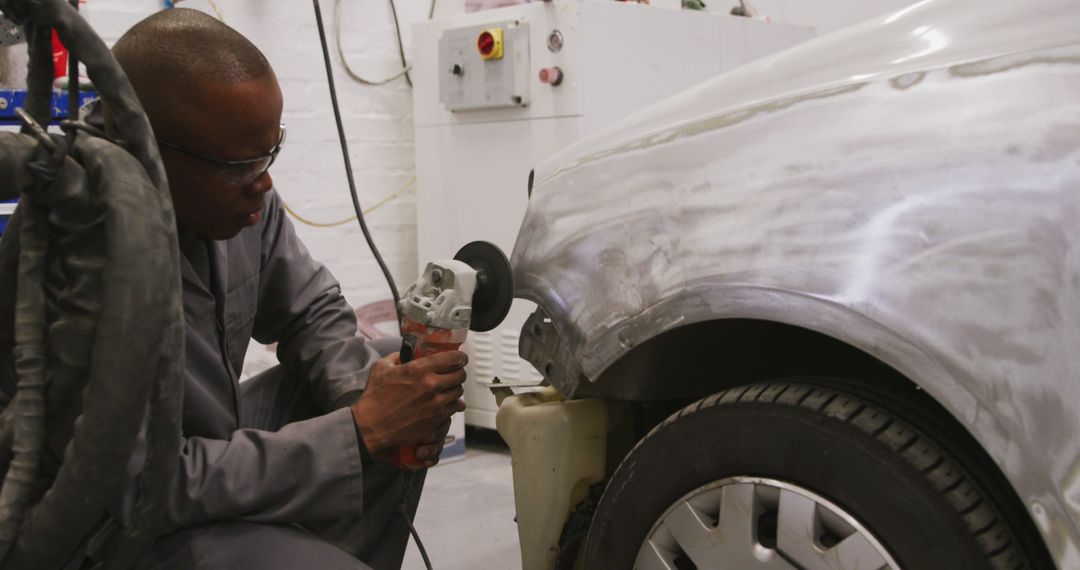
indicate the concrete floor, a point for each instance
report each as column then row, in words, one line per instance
column 466, row 515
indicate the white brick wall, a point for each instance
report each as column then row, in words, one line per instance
column 309, row 174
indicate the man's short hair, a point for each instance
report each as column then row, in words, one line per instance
column 183, row 47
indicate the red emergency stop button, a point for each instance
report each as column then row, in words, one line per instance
column 553, row 76
column 490, row 44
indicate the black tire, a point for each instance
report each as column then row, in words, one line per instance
column 915, row 497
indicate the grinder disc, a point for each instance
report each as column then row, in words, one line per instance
column 494, row 284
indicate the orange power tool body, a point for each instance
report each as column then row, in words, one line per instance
column 472, row 291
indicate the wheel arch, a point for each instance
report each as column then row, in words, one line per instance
column 687, row 363
column 702, row 358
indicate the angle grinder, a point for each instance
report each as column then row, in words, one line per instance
column 473, row 291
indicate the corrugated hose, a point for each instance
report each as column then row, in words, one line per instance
column 91, row 317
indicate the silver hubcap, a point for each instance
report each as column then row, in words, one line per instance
column 744, row 523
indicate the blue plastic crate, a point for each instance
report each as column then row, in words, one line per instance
column 5, row 214
column 10, row 99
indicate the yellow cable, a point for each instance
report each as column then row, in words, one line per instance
column 380, row 204
column 216, row 10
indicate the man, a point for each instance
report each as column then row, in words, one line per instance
column 283, row 470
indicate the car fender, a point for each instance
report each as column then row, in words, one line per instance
column 925, row 215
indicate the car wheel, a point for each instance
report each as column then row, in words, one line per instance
column 797, row 476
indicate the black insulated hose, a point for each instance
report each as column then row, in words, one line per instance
column 91, row 318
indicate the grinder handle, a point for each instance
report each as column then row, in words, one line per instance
column 419, row 341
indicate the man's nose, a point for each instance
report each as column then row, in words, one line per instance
column 260, row 185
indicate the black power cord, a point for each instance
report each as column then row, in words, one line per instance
column 410, row 479
column 367, row 236
column 348, row 164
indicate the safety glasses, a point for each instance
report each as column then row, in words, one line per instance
column 236, row 172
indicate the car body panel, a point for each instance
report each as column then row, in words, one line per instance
column 910, row 186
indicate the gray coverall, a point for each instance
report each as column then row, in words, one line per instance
column 272, row 474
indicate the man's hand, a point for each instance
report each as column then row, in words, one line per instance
column 409, row 404
column 432, row 448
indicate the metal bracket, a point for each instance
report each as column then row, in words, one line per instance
column 543, row 347
column 35, row 130
column 501, row 390
column 498, row 383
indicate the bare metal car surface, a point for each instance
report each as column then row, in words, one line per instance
column 906, row 189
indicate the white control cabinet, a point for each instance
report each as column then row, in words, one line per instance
column 483, row 121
